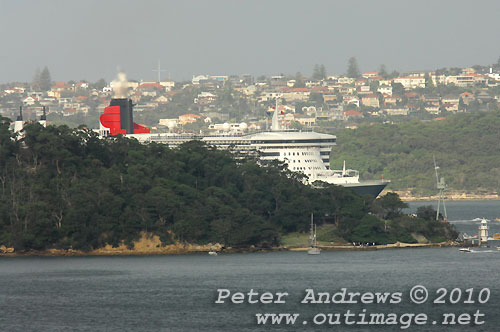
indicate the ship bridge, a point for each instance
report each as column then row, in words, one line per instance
column 308, row 152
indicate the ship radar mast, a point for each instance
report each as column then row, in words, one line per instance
column 18, row 125
column 43, row 118
column 441, row 187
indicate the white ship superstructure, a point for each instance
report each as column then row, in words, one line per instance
column 306, row 152
column 303, row 151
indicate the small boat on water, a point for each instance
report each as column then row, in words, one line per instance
column 479, row 250
column 212, row 253
column 313, row 249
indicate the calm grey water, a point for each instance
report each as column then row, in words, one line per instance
column 177, row 293
column 463, row 213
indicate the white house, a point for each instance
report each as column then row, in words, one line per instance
column 411, row 82
column 199, row 79
column 385, row 90
column 28, row 101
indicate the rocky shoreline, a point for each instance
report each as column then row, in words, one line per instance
column 151, row 245
column 397, row 245
column 450, row 196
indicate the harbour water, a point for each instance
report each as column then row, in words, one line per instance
column 465, row 214
column 178, row 292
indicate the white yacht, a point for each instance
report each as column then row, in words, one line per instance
column 313, row 249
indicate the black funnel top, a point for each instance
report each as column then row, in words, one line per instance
column 126, row 116
column 20, row 116
column 44, row 115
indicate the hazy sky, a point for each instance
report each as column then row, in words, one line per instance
column 91, row 39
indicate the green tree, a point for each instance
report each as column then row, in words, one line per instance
column 426, row 212
column 428, row 82
column 398, row 89
column 497, row 64
column 316, row 75
column 383, row 71
column 352, row 68
column 36, row 78
column 319, row 72
column 316, row 98
column 299, row 81
column 461, row 104
column 389, row 206
column 394, row 74
column 45, row 79
column 322, row 71
column 370, row 229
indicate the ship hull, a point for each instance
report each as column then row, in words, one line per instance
column 372, row 188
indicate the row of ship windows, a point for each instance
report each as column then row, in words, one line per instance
column 270, row 154
column 323, row 153
column 277, row 154
column 284, row 154
column 303, row 168
column 298, row 153
column 332, row 140
column 298, row 161
column 307, row 161
column 289, row 147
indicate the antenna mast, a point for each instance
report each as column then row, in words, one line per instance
column 159, row 70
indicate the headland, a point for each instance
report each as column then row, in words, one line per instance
column 150, row 244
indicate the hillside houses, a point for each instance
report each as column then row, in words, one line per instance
column 396, row 111
column 189, row 118
column 466, row 80
column 411, row 82
column 352, row 114
column 391, row 99
column 205, row 98
column 371, row 100
column 385, row 89
column 295, row 94
column 467, row 97
column 304, row 101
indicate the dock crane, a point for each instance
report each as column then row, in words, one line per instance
column 442, row 187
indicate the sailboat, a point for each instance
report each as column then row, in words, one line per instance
column 313, row 249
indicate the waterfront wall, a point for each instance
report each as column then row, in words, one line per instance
column 406, row 195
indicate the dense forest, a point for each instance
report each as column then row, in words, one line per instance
column 67, row 188
column 465, row 147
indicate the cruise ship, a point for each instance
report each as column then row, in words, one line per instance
column 306, row 152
